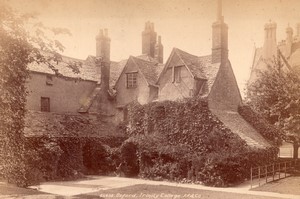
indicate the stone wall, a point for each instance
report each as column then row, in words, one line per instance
column 66, row 95
column 225, row 94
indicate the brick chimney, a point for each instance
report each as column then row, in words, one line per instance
column 159, row 51
column 103, row 57
column 149, row 39
column 270, row 43
column 219, row 38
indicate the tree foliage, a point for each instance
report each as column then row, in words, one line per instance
column 22, row 41
column 276, row 95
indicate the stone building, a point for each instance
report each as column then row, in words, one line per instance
column 105, row 87
column 287, row 50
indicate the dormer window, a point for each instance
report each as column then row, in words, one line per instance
column 131, row 80
column 177, row 74
column 49, row 80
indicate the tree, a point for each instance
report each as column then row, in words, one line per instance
column 22, row 41
column 276, row 95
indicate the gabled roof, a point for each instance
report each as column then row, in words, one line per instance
column 199, row 66
column 150, row 70
column 194, row 63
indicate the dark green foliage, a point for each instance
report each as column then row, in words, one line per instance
column 96, row 157
column 15, row 55
column 270, row 132
column 184, row 141
column 42, row 159
column 70, row 162
column 64, row 158
column 18, row 48
column 129, row 159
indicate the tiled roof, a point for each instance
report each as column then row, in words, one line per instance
column 66, row 125
column 150, row 70
column 200, row 67
column 194, row 63
column 239, row 126
column 210, row 71
column 86, row 71
column 115, row 71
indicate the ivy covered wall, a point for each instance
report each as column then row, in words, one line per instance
column 184, row 141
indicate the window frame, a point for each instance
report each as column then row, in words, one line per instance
column 131, row 80
column 177, row 74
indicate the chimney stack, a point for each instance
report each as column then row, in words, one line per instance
column 159, row 51
column 219, row 38
column 103, row 57
column 270, row 43
column 149, row 39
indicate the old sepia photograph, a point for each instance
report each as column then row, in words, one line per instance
column 157, row 99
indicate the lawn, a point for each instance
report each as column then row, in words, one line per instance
column 165, row 192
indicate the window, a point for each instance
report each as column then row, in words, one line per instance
column 131, row 79
column 45, row 104
column 177, row 74
column 49, row 80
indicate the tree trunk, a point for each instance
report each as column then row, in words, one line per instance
column 296, row 146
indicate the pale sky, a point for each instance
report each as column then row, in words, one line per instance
column 185, row 24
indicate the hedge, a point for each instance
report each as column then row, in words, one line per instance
column 184, row 141
column 65, row 158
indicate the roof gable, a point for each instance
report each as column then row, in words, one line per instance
column 148, row 70
column 199, row 67
column 193, row 63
